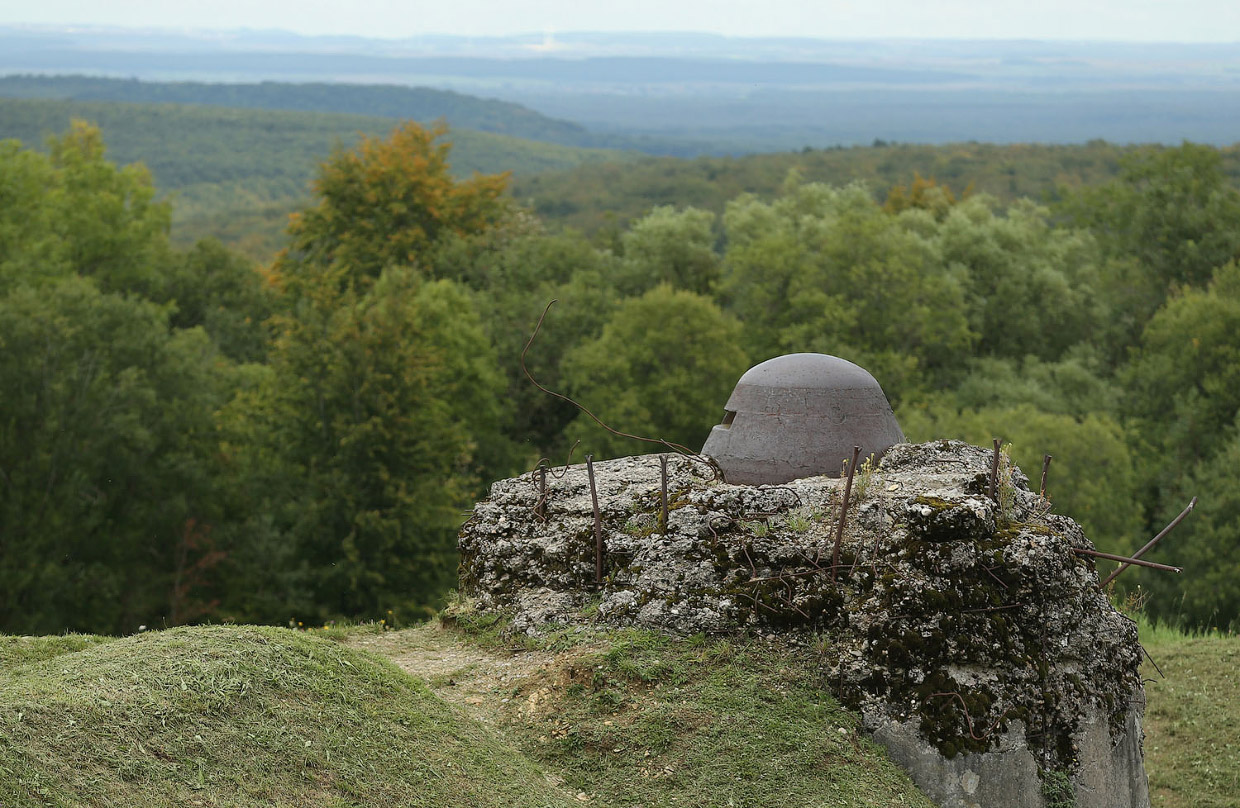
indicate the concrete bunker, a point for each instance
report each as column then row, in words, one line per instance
column 964, row 624
column 800, row 415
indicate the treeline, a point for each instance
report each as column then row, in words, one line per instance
column 604, row 198
column 185, row 438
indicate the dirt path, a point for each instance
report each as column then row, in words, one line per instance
column 479, row 680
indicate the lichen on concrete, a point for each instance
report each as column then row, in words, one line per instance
column 969, row 636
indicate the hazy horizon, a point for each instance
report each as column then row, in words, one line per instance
column 1136, row 21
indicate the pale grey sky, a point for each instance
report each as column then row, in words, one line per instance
column 1132, row 20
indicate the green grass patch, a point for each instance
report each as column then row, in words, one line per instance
column 1192, row 721
column 226, row 716
column 15, row 651
column 639, row 719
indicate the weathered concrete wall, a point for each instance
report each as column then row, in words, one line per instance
column 971, row 638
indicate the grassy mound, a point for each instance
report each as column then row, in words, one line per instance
column 219, row 716
column 633, row 718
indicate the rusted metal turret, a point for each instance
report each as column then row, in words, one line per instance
column 798, row 416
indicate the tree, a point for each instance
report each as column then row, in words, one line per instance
column 222, row 292
column 388, row 202
column 923, row 194
column 107, row 477
column 73, row 213
column 672, row 247
column 662, row 368
column 825, row 269
column 515, row 272
column 1172, row 209
column 1030, row 287
column 1169, row 220
column 1184, row 380
column 375, row 407
column 1206, row 546
column 383, row 384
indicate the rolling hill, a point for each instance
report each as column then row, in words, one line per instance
column 237, row 173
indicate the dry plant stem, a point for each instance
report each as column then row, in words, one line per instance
column 1139, row 562
column 839, row 531
column 598, row 523
column 675, row 447
column 1046, row 466
column 994, row 472
column 663, row 492
column 1152, row 542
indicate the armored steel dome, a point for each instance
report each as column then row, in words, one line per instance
column 798, row 416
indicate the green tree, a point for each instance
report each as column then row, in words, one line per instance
column 1183, row 381
column 73, row 213
column 1076, row 385
column 1172, row 209
column 672, row 247
column 1170, row 219
column 825, row 269
column 107, row 486
column 662, row 368
column 388, row 202
column 383, row 390
column 516, row 271
column 1030, row 287
column 376, row 405
column 1205, row 545
column 224, row 293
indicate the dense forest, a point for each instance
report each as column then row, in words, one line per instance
column 189, row 436
column 237, row 174
column 369, row 100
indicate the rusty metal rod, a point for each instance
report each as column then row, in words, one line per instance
column 1152, row 541
column 1139, row 562
column 663, row 492
column 994, row 472
column 839, row 531
column 1046, row 466
column 598, row 523
column 541, row 510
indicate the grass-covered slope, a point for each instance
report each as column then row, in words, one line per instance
column 259, row 716
column 239, row 717
column 1192, row 721
column 633, row 719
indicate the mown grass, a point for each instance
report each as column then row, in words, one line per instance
column 220, row 716
column 646, row 720
column 223, row 716
column 1192, row 719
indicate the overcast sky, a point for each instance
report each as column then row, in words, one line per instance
column 1133, row 20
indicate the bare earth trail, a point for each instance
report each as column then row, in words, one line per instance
column 481, row 681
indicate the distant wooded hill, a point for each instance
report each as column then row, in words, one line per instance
column 421, row 104
column 237, row 173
